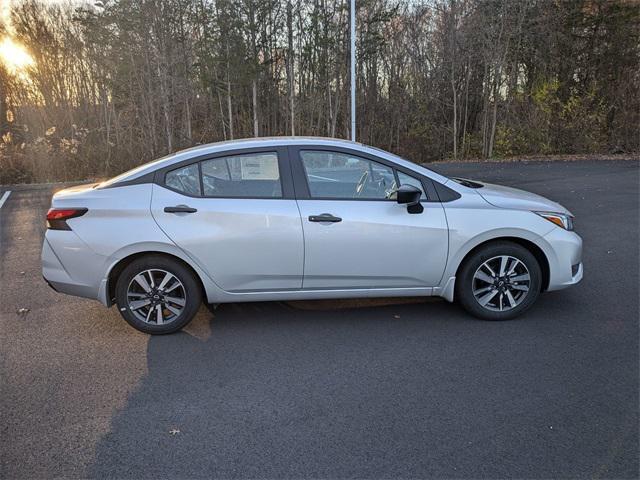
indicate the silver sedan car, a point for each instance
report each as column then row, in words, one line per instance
column 302, row 218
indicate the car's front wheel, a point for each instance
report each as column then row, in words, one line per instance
column 157, row 295
column 499, row 281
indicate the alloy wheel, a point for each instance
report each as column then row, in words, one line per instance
column 501, row 283
column 156, row 297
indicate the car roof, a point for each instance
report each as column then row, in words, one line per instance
column 232, row 145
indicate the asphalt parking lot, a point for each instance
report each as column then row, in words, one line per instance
column 378, row 389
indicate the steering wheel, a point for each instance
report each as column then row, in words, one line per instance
column 361, row 183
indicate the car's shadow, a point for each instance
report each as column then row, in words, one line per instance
column 275, row 389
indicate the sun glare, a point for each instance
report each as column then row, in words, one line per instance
column 14, row 56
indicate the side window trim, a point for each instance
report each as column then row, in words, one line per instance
column 201, row 179
column 284, row 167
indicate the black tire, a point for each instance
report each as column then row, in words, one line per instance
column 465, row 280
column 190, row 292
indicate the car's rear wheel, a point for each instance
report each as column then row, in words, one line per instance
column 499, row 281
column 157, row 295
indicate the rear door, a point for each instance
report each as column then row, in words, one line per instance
column 356, row 235
column 236, row 216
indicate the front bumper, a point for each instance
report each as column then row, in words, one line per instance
column 565, row 259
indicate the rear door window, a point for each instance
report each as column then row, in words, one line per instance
column 255, row 175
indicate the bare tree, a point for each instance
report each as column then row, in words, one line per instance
column 114, row 85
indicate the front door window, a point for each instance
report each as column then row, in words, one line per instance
column 344, row 176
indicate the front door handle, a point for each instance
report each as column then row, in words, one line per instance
column 325, row 217
column 180, row 209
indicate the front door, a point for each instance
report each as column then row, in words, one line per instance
column 235, row 216
column 355, row 234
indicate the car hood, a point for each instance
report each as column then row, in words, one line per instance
column 513, row 198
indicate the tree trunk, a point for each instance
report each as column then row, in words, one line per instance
column 188, row 132
column 485, row 109
column 455, row 120
column 165, row 110
column 224, row 126
column 229, row 110
column 466, row 110
column 254, row 90
column 494, row 116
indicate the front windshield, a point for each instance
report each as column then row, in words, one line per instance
column 419, row 165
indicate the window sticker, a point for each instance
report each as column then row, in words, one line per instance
column 259, row 168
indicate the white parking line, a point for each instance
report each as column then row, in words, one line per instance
column 4, row 197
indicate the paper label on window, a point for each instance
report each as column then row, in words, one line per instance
column 259, row 168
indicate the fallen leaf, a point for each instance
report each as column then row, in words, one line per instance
column 22, row 311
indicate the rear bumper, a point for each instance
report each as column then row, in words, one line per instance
column 49, row 283
column 84, row 281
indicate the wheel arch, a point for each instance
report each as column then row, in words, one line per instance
column 531, row 246
column 117, row 268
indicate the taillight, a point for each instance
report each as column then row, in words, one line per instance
column 57, row 217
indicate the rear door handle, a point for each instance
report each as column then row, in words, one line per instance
column 180, row 209
column 324, row 217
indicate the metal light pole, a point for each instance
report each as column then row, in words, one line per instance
column 353, row 70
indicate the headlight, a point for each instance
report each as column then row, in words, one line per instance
column 561, row 219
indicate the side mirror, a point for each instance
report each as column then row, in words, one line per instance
column 410, row 196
